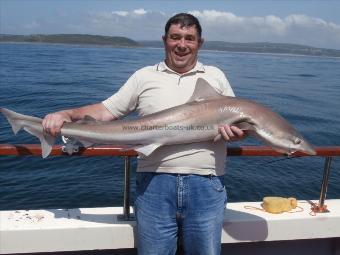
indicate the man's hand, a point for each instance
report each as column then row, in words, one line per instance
column 53, row 122
column 231, row 133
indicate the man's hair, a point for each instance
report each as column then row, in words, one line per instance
column 185, row 20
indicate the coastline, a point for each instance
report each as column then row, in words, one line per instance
column 159, row 48
column 212, row 46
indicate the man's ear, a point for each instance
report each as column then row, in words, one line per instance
column 164, row 38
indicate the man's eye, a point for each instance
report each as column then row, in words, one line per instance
column 174, row 37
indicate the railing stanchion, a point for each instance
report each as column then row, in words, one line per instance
column 126, row 206
column 321, row 207
column 127, row 188
column 324, row 186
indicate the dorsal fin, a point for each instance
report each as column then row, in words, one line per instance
column 203, row 91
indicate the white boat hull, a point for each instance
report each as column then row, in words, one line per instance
column 245, row 231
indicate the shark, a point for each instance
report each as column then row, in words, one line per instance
column 197, row 120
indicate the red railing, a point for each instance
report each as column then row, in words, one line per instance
column 35, row 150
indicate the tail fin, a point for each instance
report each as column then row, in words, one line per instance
column 11, row 118
column 33, row 126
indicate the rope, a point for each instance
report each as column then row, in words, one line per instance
column 315, row 208
column 248, row 207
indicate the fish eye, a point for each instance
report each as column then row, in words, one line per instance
column 297, row 141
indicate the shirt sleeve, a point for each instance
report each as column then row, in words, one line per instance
column 125, row 99
column 224, row 84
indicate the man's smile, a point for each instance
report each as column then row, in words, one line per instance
column 181, row 54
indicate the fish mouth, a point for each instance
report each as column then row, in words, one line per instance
column 309, row 151
column 305, row 148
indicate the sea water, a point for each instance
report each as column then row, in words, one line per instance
column 36, row 79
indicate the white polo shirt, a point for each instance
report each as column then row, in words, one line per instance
column 155, row 88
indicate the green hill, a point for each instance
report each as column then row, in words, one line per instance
column 115, row 41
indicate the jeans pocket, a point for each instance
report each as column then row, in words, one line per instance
column 217, row 183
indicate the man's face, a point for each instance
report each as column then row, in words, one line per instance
column 181, row 47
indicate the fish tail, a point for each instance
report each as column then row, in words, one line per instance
column 10, row 116
column 31, row 125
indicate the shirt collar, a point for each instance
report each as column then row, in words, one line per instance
column 199, row 67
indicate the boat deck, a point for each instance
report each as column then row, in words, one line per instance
column 100, row 231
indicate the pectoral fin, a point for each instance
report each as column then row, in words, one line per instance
column 46, row 140
column 146, row 150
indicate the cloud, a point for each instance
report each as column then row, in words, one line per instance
column 140, row 12
column 224, row 26
column 141, row 24
column 120, row 13
column 138, row 24
column 295, row 28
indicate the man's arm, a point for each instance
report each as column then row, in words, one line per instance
column 53, row 122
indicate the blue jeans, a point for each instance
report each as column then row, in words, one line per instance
column 171, row 205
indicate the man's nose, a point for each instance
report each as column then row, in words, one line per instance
column 181, row 43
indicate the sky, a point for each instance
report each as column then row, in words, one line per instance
column 309, row 22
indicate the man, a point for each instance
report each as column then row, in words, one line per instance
column 180, row 188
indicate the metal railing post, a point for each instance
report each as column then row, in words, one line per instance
column 321, row 207
column 126, row 206
column 324, row 186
